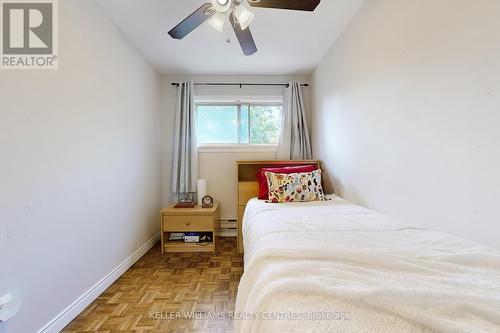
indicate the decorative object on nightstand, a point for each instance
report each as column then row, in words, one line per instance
column 185, row 200
column 202, row 190
column 189, row 221
column 207, row 202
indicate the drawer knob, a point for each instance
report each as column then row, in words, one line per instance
column 188, row 223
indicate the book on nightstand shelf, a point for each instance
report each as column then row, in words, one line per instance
column 176, row 236
column 191, row 237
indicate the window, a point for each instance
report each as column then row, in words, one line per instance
column 258, row 124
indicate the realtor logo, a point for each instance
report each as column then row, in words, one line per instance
column 29, row 36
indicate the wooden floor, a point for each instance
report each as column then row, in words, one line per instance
column 159, row 294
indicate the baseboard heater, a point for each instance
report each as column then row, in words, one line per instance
column 228, row 227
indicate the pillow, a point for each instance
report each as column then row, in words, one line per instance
column 261, row 176
column 295, row 187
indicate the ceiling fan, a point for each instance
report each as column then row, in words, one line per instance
column 240, row 17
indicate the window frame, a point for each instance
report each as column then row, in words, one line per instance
column 242, row 147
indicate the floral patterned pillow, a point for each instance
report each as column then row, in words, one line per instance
column 295, row 187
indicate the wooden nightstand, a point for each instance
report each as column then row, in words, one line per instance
column 188, row 220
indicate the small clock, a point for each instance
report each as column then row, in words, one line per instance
column 207, row 202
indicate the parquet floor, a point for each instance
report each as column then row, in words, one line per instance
column 186, row 292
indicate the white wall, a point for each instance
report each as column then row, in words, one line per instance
column 218, row 167
column 79, row 166
column 407, row 113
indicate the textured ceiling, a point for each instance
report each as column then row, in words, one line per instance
column 288, row 41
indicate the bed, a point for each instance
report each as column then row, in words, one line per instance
column 332, row 266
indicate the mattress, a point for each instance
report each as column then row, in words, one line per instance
column 333, row 266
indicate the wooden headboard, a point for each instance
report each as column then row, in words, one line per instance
column 248, row 185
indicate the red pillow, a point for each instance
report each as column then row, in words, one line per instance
column 261, row 176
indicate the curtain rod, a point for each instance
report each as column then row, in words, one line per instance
column 243, row 84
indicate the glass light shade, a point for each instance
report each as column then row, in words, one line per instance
column 221, row 6
column 244, row 16
column 217, row 21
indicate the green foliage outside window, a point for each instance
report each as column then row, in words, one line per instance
column 239, row 124
column 265, row 124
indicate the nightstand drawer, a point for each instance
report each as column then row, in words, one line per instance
column 187, row 223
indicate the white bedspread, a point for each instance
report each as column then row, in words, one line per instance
column 360, row 272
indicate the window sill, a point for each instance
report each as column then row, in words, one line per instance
column 237, row 148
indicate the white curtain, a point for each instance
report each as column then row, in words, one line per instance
column 185, row 159
column 294, row 140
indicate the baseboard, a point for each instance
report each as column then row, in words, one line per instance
column 66, row 316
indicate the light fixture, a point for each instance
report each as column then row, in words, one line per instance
column 217, row 21
column 244, row 16
column 221, row 6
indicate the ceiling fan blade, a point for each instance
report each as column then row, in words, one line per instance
column 244, row 37
column 306, row 5
column 192, row 22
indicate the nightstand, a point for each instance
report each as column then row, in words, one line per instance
column 195, row 219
